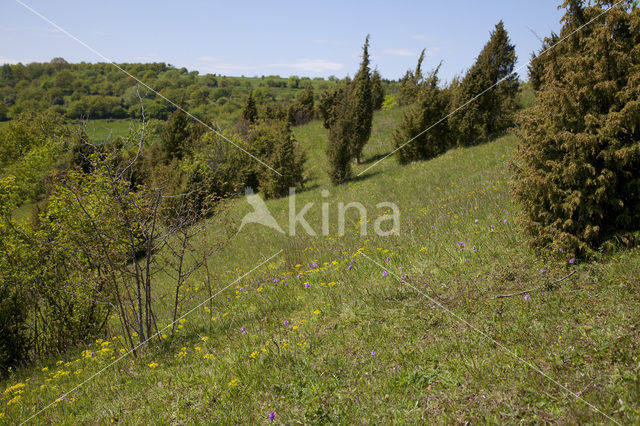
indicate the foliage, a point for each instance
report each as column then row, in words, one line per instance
column 377, row 90
column 486, row 95
column 250, row 112
column 273, row 143
column 30, row 146
column 175, row 136
column 577, row 166
column 362, row 105
column 410, row 83
column 414, row 135
column 341, row 130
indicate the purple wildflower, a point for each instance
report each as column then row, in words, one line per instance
column 543, row 270
column 385, row 273
column 277, row 280
column 527, row 297
column 307, row 285
column 350, row 267
column 373, row 353
column 476, row 221
column 475, row 249
column 388, row 259
column 572, row 261
column 404, row 277
column 243, row 329
column 93, row 354
column 272, row 415
column 286, row 322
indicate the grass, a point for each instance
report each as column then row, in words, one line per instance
column 326, row 343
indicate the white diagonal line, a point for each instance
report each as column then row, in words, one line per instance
column 484, row 91
column 67, row 33
column 491, row 339
column 151, row 337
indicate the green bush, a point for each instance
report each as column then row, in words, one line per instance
column 430, row 107
column 577, row 167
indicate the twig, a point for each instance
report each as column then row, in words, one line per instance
column 502, row 296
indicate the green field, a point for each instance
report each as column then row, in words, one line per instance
column 397, row 329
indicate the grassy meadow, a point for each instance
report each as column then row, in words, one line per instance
column 341, row 328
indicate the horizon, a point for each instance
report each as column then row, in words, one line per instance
column 275, row 39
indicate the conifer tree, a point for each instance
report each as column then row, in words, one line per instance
column 301, row 110
column 176, row 134
column 410, row 83
column 492, row 111
column 430, row 107
column 250, row 111
column 283, row 155
column 362, row 105
column 377, row 91
column 340, row 132
column 577, row 168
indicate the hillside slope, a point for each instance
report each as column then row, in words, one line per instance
column 403, row 328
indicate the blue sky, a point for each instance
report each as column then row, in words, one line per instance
column 319, row 38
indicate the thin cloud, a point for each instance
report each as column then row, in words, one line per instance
column 398, row 52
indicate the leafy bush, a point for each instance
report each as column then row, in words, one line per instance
column 577, row 167
column 430, row 107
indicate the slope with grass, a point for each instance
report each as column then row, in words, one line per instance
column 403, row 328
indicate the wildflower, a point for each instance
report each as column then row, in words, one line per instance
column 208, row 356
column 253, row 355
column 475, row 249
column 317, row 311
column 45, row 369
column 543, row 270
column 373, row 353
column 527, row 297
column 272, row 415
column 388, row 259
column 233, row 383
column 572, row 261
column 350, row 267
column 385, row 273
column 259, row 289
column 307, row 285
column 204, row 338
column 404, row 277
column 476, row 221
column 153, row 365
column 286, row 322
column 243, row 329
column 505, row 221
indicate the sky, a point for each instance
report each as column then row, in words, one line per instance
column 255, row 38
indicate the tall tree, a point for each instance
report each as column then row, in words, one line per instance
column 493, row 110
column 341, row 131
column 577, row 167
column 377, row 91
column 250, row 112
column 410, row 83
column 175, row 135
column 362, row 105
column 410, row 135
